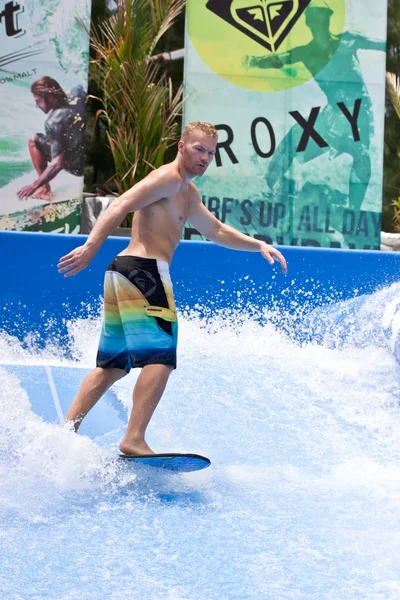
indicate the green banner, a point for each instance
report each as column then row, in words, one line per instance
column 296, row 91
column 43, row 80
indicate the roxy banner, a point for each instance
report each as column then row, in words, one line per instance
column 296, row 91
column 44, row 49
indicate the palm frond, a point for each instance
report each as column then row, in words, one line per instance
column 393, row 89
column 139, row 109
column 163, row 18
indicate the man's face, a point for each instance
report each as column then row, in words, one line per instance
column 318, row 19
column 41, row 103
column 198, row 151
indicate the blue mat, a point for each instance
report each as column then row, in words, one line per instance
column 52, row 389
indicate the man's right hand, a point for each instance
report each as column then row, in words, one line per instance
column 26, row 191
column 75, row 261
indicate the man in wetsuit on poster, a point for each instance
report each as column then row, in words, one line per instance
column 140, row 324
column 61, row 147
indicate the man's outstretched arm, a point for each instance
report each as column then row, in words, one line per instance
column 147, row 191
column 227, row 236
column 363, row 42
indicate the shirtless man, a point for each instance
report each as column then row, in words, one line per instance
column 140, row 325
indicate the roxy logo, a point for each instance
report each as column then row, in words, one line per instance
column 9, row 18
column 268, row 22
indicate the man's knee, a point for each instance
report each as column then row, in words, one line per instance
column 112, row 374
column 161, row 367
column 158, row 370
column 118, row 374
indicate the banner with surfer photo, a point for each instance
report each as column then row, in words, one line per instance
column 296, row 89
column 44, row 53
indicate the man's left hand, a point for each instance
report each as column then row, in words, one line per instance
column 269, row 253
column 75, row 261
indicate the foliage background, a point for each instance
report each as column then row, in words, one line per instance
column 99, row 166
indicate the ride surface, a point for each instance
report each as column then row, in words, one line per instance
column 302, row 498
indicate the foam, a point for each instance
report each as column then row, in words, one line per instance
column 301, row 500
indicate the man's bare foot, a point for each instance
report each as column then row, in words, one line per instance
column 135, row 448
column 44, row 193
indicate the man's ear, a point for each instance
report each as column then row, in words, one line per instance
column 181, row 145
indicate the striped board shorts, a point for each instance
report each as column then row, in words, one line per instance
column 140, row 325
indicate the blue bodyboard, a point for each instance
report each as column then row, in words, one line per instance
column 180, row 463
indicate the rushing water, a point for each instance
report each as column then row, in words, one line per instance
column 301, row 502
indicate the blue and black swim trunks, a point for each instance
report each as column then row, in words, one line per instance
column 140, row 325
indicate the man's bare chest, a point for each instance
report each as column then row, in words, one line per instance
column 174, row 209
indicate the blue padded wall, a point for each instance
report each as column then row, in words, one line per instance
column 35, row 298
